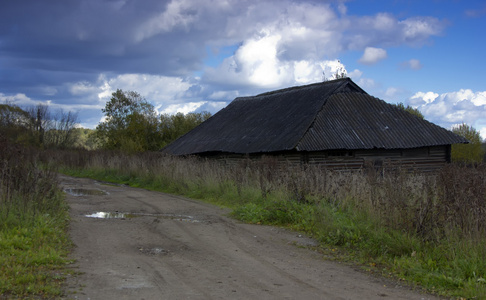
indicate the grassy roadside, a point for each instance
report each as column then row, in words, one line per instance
column 438, row 260
column 34, row 243
column 33, row 258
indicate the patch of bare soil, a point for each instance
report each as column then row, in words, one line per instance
column 138, row 244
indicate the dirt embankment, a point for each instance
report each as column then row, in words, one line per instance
column 138, row 244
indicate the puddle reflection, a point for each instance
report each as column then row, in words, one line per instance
column 85, row 192
column 119, row 215
column 110, row 215
column 153, row 251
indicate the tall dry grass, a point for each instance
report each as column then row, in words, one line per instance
column 26, row 188
column 451, row 201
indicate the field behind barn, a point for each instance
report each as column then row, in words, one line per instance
column 425, row 229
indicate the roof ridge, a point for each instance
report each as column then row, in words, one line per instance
column 322, row 107
column 303, row 86
column 298, row 87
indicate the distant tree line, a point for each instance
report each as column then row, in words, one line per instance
column 38, row 126
column 131, row 124
column 410, row 109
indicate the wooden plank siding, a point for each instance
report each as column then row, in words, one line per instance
column 422, row 159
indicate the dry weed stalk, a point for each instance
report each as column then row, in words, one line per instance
column 25, row 188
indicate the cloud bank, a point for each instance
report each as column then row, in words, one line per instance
column 75, row 53
column 453, row 108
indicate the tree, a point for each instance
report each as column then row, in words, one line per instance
column 86, row 139
column 36, row 126
column 408, row 108
column 130, row 124
column 39, row 121
column 61, row 131
column 174, row 126
column 13, row 123
column 467, row 153
column 12, row 115
column 52, row 130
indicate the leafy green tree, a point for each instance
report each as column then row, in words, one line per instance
column 86, row 139
column 130, row 124
column 174, row 126
column 408, row 108
column 467, row 153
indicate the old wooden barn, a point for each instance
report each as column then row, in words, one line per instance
column 335, row 124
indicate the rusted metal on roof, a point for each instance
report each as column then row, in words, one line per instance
column 331, row 115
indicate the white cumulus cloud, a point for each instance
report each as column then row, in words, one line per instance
column 159, row 90
column 449, row 109
column 19, row 99
column 182, row 108
column 373, row 55
column 257, row 64
column 423, row 98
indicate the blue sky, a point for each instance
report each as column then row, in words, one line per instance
column 194, row 55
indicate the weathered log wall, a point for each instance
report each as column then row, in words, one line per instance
column 423, row 159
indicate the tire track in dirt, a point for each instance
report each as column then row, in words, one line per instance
column 170, row 247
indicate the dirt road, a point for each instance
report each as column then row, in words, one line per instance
column 137, row 244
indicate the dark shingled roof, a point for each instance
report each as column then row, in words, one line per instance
column 331, row 115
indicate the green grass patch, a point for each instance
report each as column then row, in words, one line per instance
column 220, row 193
column 34, row 244
column 33, row 255
column 448, row 268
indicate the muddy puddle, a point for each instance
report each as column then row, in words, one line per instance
column 85, row 192
column 153, row 251
column 110, row 215
column 120, row 215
